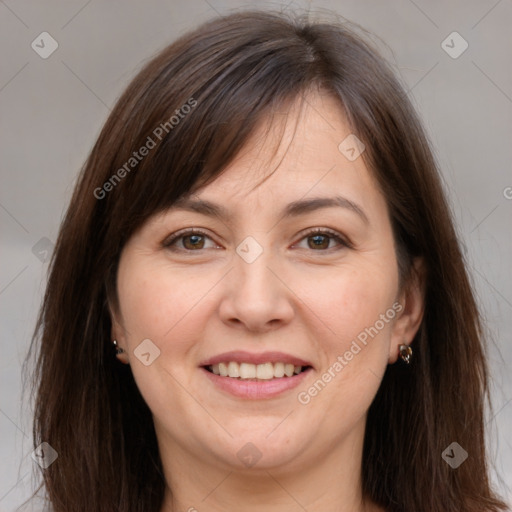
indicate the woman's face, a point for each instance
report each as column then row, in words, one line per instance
column 256, row 282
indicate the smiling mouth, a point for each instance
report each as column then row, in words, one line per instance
column 248, row 371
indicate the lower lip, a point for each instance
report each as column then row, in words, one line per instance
column 256, row 390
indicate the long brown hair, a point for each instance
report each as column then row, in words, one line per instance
column 231, row 73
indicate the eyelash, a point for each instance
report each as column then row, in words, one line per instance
column 170, row 241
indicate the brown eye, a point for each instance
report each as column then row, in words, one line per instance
column 187, row 241
column 193, row 241
column 320, row 240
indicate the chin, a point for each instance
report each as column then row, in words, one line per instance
column 261, row 451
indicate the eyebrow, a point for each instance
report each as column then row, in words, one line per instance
column 294, row 209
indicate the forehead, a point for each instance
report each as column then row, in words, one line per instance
column 295, row 153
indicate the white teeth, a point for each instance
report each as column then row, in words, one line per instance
column 223, row 369
column 278, row 370
column 265, row 371
column 247, row 371
column 233, row 369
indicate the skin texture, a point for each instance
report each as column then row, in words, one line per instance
column 306, row 301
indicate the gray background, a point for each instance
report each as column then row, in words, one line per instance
column 53, row 109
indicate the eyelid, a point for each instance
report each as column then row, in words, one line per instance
column 340, row 238
column 182, row 232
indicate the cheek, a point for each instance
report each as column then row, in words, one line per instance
column 157, row 303
column 349, row 300
column 155, row 300
column 356, row 343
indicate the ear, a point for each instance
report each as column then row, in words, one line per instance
column 412, row 300
column 117, row 332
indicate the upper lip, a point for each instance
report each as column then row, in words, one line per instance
column 240, row 356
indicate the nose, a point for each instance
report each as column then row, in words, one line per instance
column 256, row 295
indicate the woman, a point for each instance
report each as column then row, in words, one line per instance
column 257, row 299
